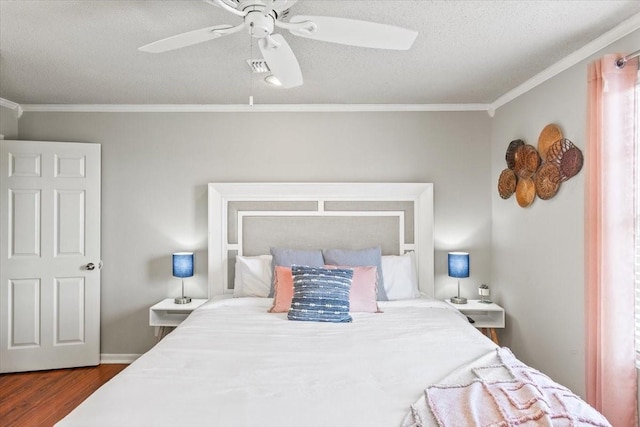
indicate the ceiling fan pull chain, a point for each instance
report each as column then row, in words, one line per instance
column 251, row 74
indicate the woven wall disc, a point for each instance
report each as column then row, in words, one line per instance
column 571, row 163
column 510, row 155
column 527, row 161
column 507, row 183
column 550, row 134
column 525, row 192
column 547, row 181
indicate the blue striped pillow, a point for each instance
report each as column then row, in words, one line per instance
column 320, row 294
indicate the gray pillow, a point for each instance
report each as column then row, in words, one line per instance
column 358, row 258
column 287, row 257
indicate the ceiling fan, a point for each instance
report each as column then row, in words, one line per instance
column 261, row 17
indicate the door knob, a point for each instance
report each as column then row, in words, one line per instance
column 90, row 266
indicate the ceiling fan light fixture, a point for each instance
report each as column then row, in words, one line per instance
column 273, row 80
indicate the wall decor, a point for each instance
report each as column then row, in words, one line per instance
column 525, row 192
column 550, row 134
column 507, row 183
column 547, row 181
column 539, row 172
column 567, row 157
column 527, row 161
column 510, row 157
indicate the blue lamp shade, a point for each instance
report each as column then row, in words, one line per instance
column 183, row 264
column 458, row 264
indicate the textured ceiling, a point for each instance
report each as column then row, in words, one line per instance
column 85, row 52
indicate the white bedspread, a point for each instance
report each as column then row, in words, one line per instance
column 233, row 364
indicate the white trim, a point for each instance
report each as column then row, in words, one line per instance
column 13, row 106
column 311, row 191
column 579, row 55
column 106, row 359
column 245, row 108
column 242, row 214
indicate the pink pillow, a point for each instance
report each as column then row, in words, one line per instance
column 362, row 296
column 283, row 290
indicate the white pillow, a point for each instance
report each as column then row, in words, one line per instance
column 253, row 276
column 400, row 276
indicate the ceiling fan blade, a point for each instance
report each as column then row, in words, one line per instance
column 281, row 60
column 226, row 6
column 353, row 32
column 190, row 38
column 280, row 5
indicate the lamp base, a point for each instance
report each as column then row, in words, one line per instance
column 182, row 300
column 458, row 300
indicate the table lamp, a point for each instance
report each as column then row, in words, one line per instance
column 458, row 267
column 182, row 267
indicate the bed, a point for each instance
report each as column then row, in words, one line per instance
column 407, row 361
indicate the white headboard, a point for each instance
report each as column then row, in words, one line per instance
column 248, row 218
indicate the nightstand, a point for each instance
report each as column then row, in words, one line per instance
column 167, row 313
column 488, row 317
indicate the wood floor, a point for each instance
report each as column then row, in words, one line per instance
column 43, row 398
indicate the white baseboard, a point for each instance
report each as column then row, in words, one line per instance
column 118, row 358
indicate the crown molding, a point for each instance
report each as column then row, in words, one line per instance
column 243, row 108
column 613, row 35
column 18, row 110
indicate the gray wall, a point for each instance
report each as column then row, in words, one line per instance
column 155, row 167
column 538, row 252
column 8, row 123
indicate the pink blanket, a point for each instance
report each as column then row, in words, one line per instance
column 501, row 391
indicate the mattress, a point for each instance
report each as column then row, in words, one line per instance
column 231, row 363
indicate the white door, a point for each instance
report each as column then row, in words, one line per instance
column 49, row 255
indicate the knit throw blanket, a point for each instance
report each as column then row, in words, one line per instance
column 498, row 390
